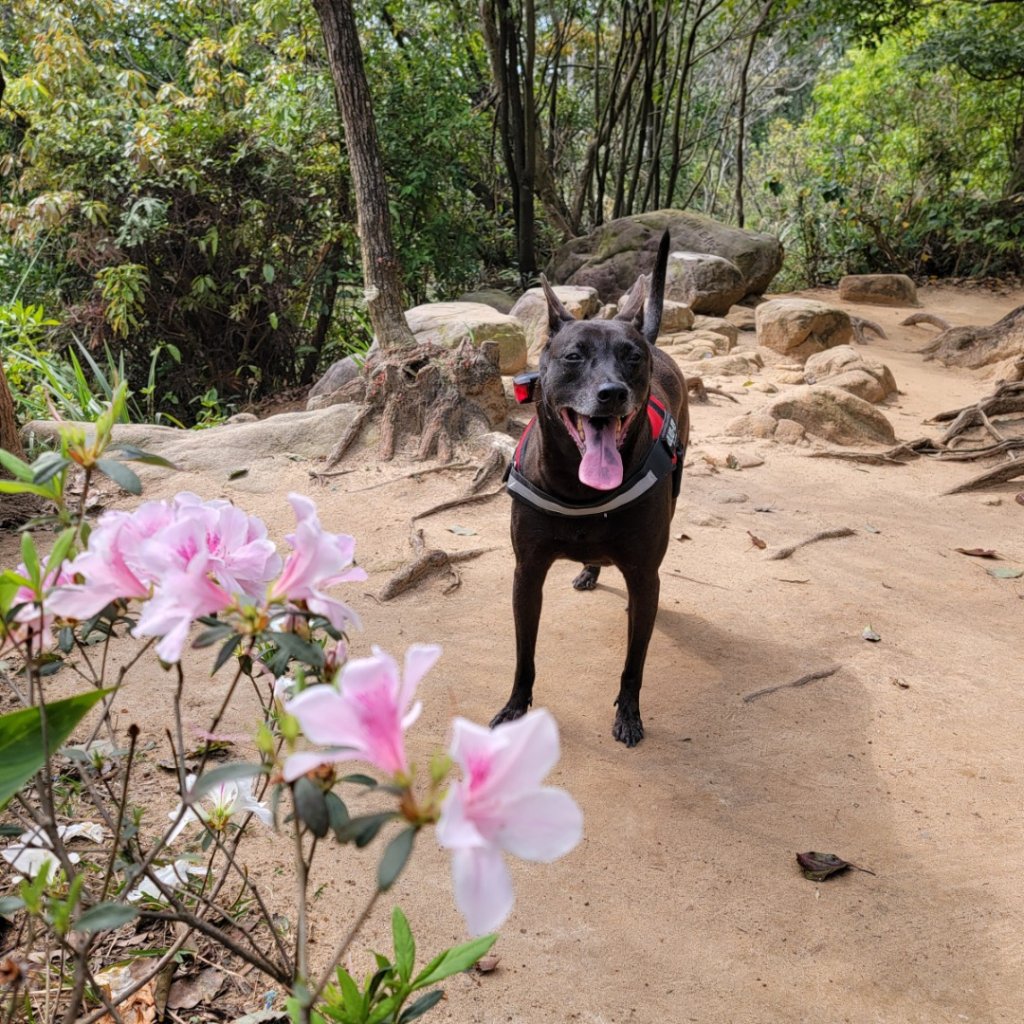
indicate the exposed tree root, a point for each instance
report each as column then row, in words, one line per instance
column 427, row 564
column 811, row 677
column 1000, row 475
column 700, row 390
column 426, row 393
column 469, row 499
column 860, row 325
column 926, row 318
column 842, row 531
column 973, row 347
column 899, row 455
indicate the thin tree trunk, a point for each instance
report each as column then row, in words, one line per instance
column 741, row 118
column 381, row 271
column 10, row 440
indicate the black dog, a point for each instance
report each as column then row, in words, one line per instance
column 596, row 475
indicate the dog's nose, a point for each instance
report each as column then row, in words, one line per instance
column 610, row 393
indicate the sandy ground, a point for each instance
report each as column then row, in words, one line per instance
column 684, row 901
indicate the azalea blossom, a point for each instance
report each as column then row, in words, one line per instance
column 33, row 851
column 31, row 623
column 365, row 717
column 499, row 806
column 226, row 801
column 318, row 559
column 173, row 876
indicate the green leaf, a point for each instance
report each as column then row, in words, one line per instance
column 396, row 856
column 225, row 773
column 360, row 780
column 299, row 649
column 213, row 635
column 10, row 905
column 405, row 944
column 30, row 557
column 21, row 738
column 15, row 487
column 337, row 813
column 133, row 454
column 451, row 961
column 351, row 997
column 268, row 273
column 224, row 655
column 105, row 917
column 311, row 806
column 420, row 1007
column 60, row 549
column 47, row 466
column 16, row 467
column 121, row 475
column 362, row 830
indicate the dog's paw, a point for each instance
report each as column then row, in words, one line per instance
column 509, row 713
column 628, row 727
column 587, row 579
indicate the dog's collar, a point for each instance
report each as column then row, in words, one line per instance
column 665, row 456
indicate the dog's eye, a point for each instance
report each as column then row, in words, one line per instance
column 572, row 357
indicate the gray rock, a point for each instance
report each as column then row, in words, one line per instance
column 705, row 283
column 742, row 318
column 493, row 297
column 612, row 256
column 719, row 325
column 880, row 289
column 531, row 311
column 448, row 324
column 676, row 316
column 844, row 367
column 797, row 328
column 336, row 376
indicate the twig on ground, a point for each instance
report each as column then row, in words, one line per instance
column 926, row 318
column 454, row 466
column 1000, row 475
column 470, row 499
column 842, row 531
column 428, row 564
column 691, row 579
column 802, row 681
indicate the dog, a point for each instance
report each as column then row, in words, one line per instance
column 596, row 475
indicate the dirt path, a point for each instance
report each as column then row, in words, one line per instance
column 684, row 902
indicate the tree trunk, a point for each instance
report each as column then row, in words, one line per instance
column 381, row 272
column 10, row 440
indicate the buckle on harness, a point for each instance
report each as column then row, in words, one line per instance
column 523, row 386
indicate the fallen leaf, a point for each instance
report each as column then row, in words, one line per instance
column 870, row 634
column 782, row 579
column 901, row 683
column 871, row 529
column 763, row 508
column 462, row 531
column 977, row 552
column 683, row 536
column 756, row 541
column 188, row 993
column 1004, row 572
column 819, row 866
column 487, row 963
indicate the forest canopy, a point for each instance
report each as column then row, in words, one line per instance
column 178, row 209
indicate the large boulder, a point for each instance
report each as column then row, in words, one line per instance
column 880, row 289
column 824, row 412
column 844, row 367
column 798, row 328
column 612, row 256
column 717, row 325
column 493, row 297
column 531, row 311
column 706, row 283
column 448, row 324
column 675, row 316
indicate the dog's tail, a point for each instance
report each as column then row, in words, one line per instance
column 656, row 296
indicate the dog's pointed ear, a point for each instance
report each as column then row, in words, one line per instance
column 632, row 309
column 656, row 293
column 557, row 313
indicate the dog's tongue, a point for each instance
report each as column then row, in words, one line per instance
column 601, row 466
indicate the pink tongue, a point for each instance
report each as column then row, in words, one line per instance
column 601, row 466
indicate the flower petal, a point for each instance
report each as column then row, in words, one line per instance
column 296, row 765
column 541, row 826
column 483, row 888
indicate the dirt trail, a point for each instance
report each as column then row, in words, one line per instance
column 684, row 902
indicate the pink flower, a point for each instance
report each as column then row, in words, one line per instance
column 31, row 623
column 319, row 559
column 500, row 806
column 365, row 718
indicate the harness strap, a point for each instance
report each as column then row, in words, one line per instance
column 665, row 456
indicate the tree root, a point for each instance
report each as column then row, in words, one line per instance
column 1000, row 475
column 842, row 531
column 469, row 499
column 860, row 325
column 700, row 390
column 427, row 564
column 428, row 393
column 811, row 677
column 974, row 347
column 926, row 318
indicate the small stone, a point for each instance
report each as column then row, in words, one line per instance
column 992, row 501
column 699, row 517
column 730, row 497
column 746, row 460
column 789, row 431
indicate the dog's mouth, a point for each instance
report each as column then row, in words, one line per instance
column 599, row 439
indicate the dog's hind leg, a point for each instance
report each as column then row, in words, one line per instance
column 587, row 579
column 527, row 596
column 643, row 610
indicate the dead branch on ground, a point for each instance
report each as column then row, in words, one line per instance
column 842, row 531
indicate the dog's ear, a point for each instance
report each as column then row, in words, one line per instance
column 557, row 313
column 632, row 309
column 656, row 295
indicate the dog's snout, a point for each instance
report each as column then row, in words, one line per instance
column 611, row 392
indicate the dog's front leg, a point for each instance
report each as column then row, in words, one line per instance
column 527, row 595
column 644, row 588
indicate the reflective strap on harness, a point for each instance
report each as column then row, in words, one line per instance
column 665, row 456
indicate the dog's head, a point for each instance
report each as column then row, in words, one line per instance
column 595, row 375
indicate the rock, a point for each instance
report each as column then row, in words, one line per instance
column 742, row 318
column 448, row 324
column 226, row 448
column 612, row 256
column 241, row 417
column 700, row 517
column 765, row 387
column 676, row 316
column 826, row 412
column 735, row 364
column 607, row 312
column 531, row 311
column 338, row 374
column 718, row 325
column 798, row 328
column 706, row 283
column 493, row 297
column 695, row 344
column 881, row 289
column 844, row 367
column 789, row 432
column 729, row 497
column 744, row 460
